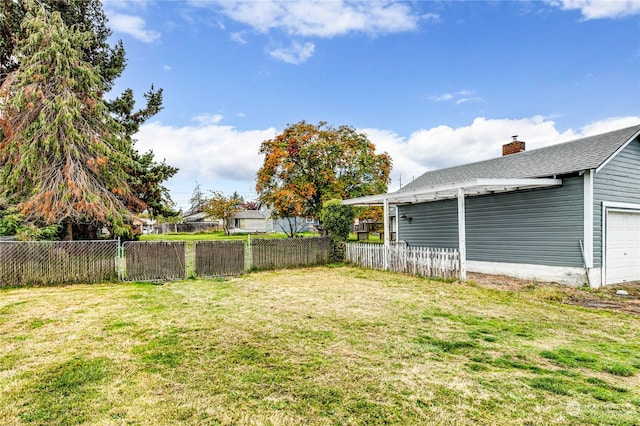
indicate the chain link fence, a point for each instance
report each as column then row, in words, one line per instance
column 219, row 258
column 54, row 262
column 57, row 262
column 289, row 252
column 154, row 260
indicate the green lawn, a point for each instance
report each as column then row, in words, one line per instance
column 208, row 236
column 318, row 346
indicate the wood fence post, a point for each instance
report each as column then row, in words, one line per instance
column 248, row 254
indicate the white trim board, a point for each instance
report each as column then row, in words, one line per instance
column 608, row 206
column 588, row 218
column 443, row 192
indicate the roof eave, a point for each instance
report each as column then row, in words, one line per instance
column 472, row 187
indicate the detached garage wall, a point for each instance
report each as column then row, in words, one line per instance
column 539, row 227
column 430, row 224
column 618, row 182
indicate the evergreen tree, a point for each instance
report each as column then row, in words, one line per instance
column 85, row 15
column 197, row 200
column 63, row 156
column 144, row 175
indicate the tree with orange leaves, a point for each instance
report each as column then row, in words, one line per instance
column 221, row 207
column 307, row 165
column 61, row 159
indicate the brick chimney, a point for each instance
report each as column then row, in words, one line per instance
column 513, row 147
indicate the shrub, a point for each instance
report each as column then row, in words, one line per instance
column 337, row 220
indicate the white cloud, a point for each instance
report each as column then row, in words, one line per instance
column 444, row 146
column 205, row 119
column 441, row 98
column 318, row 18
column 295, row 54
column 210, row 150
column 167, row 68
column 132, row 25
column 219, row 157
column 432, row 17
column 464, row 100
column 224, row 158
column 238, row 38
column 608, row 125
column 324, row 18
column 459, row 97
column 599, row 9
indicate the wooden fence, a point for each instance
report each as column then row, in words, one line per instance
column 45, row 263
column 219, row 258
column 422, row 261
column 154, row 261
column 54, row 262
column 267, row 253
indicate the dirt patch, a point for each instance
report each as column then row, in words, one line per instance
column 602, row 298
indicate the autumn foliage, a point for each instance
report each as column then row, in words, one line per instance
column 308, row 164
column 220, row 206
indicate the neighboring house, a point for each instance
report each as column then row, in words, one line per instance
column 287, row 224
column 568, row 213
column 199, row 217
column 193, row 222
column 248, row 221
column 298, row 223
column 143, row 225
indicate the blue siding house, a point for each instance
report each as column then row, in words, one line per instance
column 568, row 213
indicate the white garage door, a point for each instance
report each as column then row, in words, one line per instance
column 623, row 247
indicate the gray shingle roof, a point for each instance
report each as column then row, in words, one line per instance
column 573, row 156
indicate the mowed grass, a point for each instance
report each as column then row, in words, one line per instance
column 214, row 236
column 319, row 346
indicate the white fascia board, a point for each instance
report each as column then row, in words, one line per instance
column 440, row 192
column 369, row 200
column 517, row 183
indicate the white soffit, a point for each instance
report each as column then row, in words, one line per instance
column 443, row 192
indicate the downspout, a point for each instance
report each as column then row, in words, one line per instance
column 462, row 235
column 586, row 245
column 584, row 262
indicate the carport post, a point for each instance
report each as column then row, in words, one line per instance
column 387, row 234
column 462, row 237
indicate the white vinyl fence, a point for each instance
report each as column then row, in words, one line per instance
column 422, row 261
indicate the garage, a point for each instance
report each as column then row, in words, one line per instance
column 623, row 246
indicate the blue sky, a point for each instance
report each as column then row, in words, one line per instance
column 433, row 83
